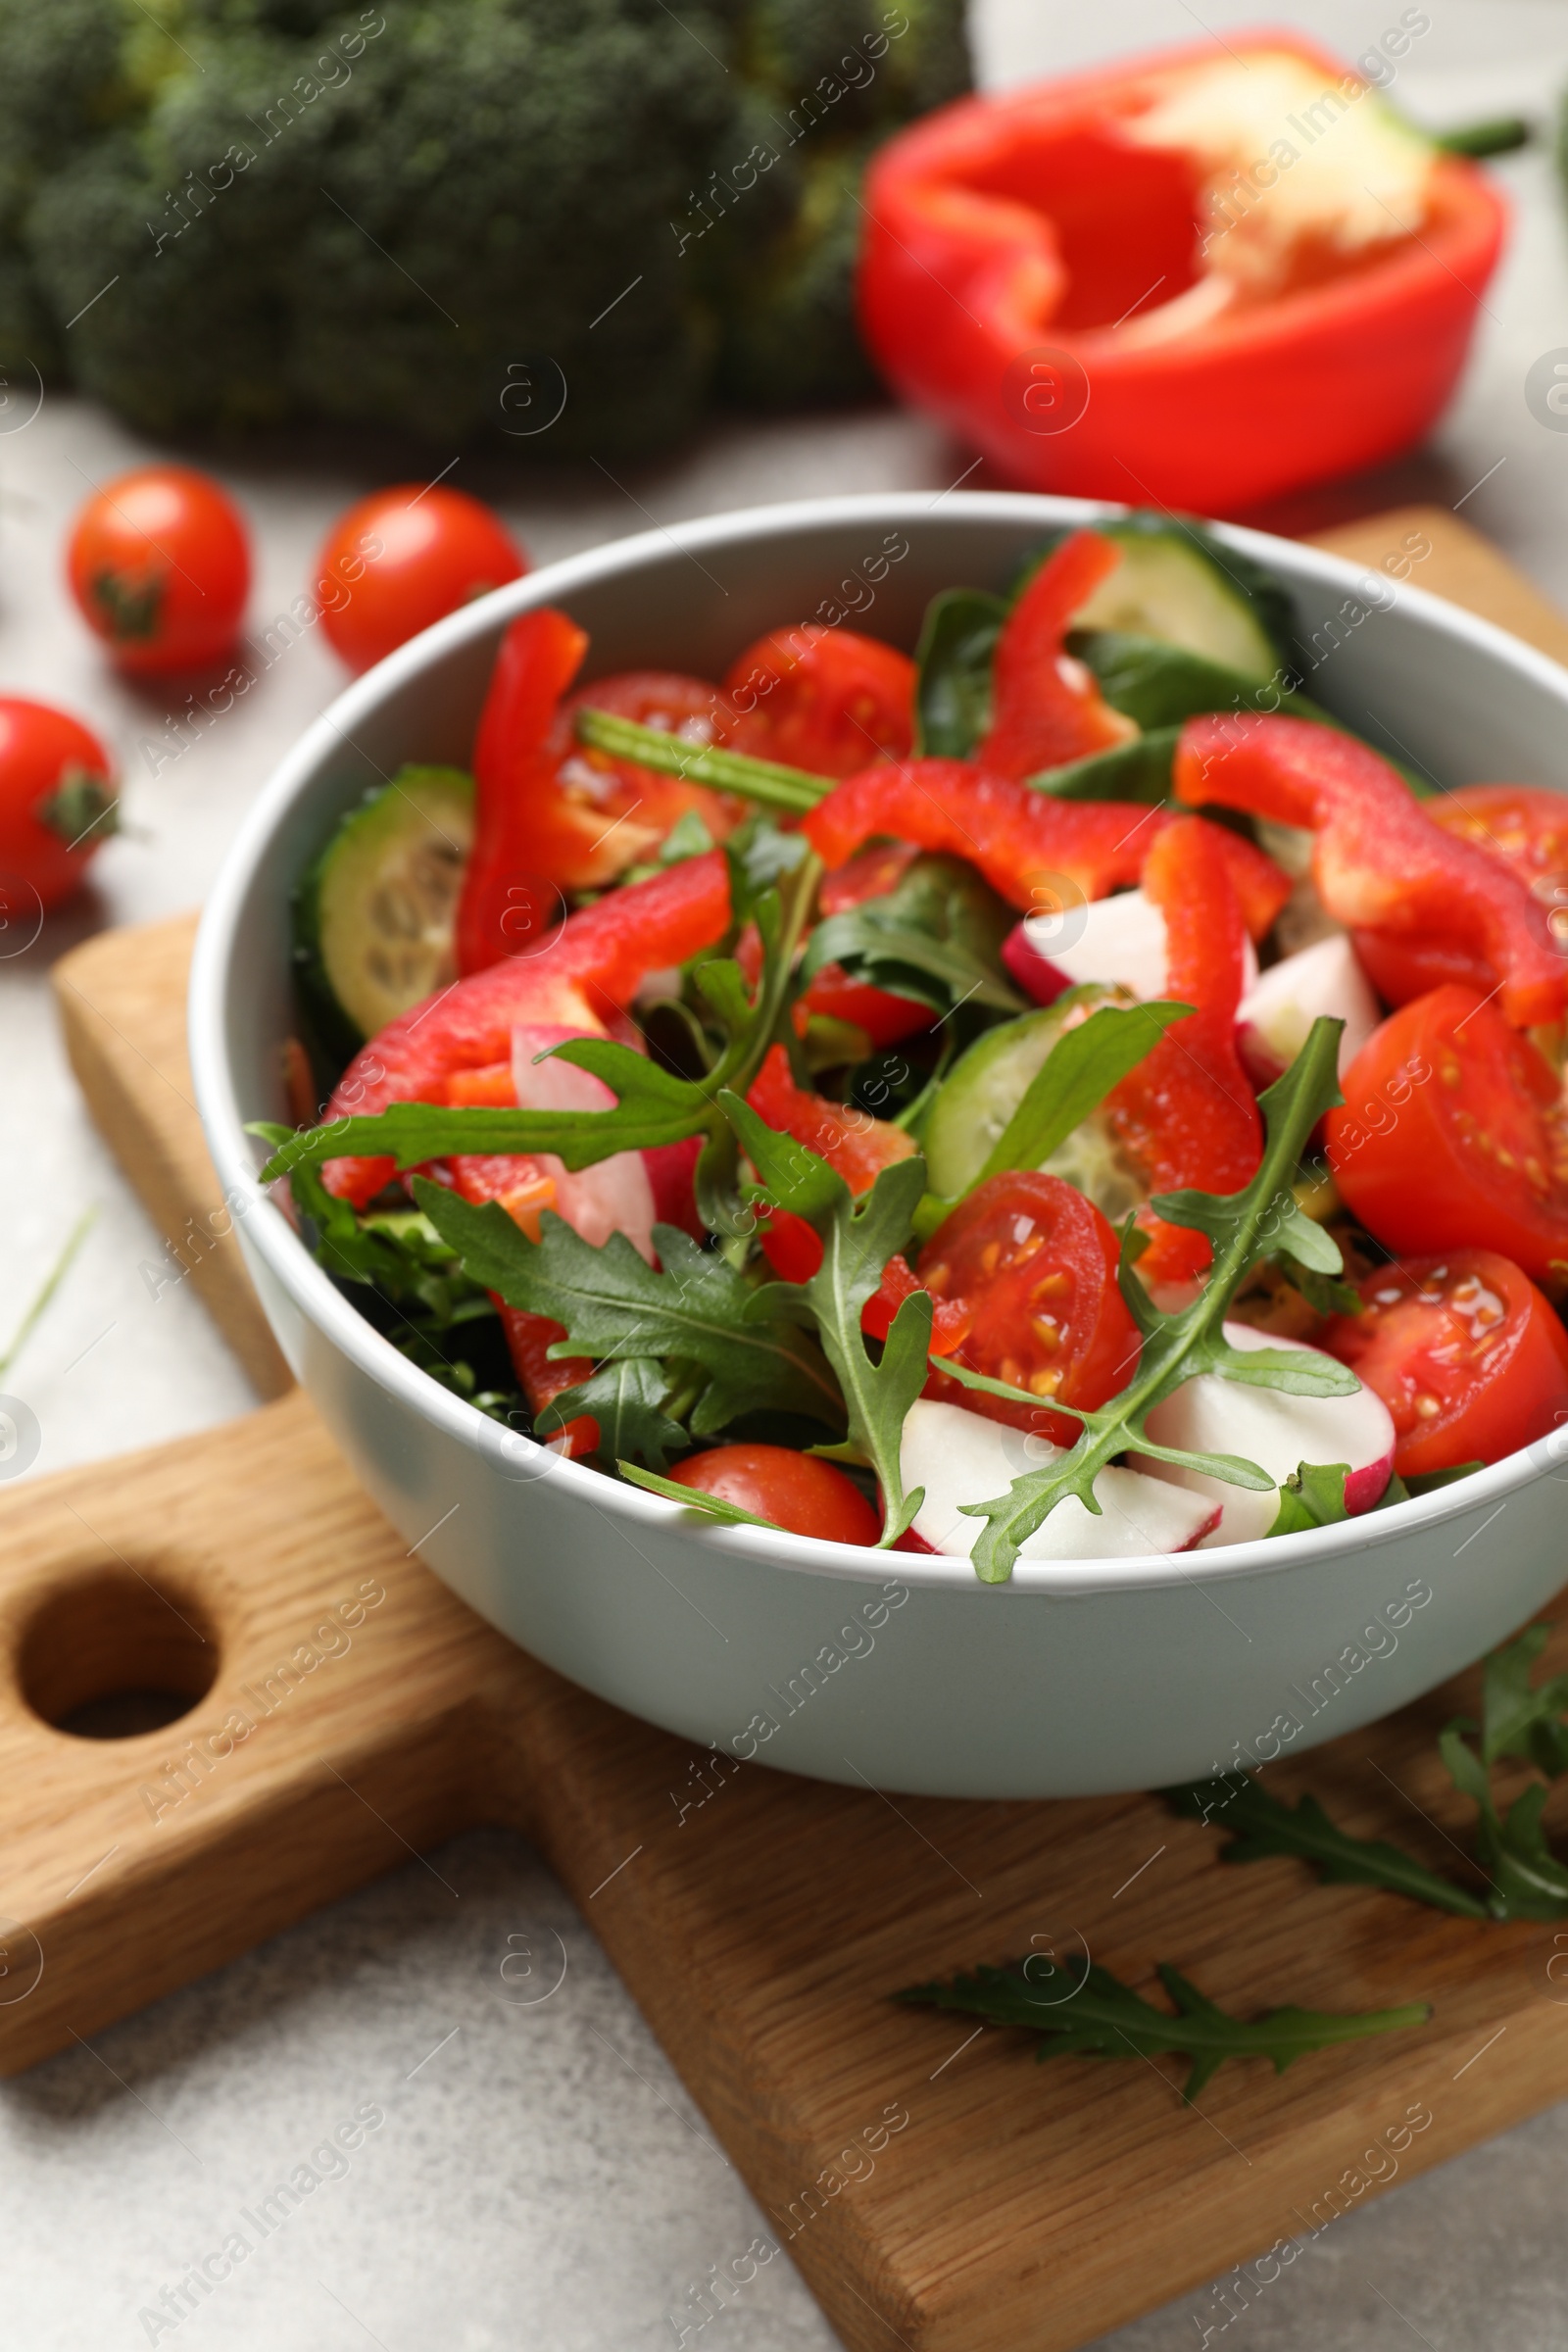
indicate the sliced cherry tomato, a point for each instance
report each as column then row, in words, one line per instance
column 1035, row 1264
column 403, row 559
column 1465, row 1352
column 794, row 1489
column 1045, row 707
column 1525, row 827
column 821, row 699
column 1451, row 1135
column 600, row 815
column 1187, row 1114
column 160, row 565
column 57, row 808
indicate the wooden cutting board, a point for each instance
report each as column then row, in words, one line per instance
column 935, row 2188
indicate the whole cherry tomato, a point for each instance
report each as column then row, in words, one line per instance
column 1036, row 1262
column 797, row 1491
column 825, row 699
column 1465, row 1352
column 160, row 563
column 57, row 805
column 1451, row 1134
column 404, row 559
column 1522, row 825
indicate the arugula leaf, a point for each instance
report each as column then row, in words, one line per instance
column 1082, row 2010
column 1528, row 1880
column 653, row 1105
column 612, row 1304
column 1313, row 1496
column 936, row 935
column 1075, row 1077
column 712, row 1506
column 1261, row 1826
column 1261, row 1220
column 400, row 1254
column 953, row 671
column 1520, row 1721
column 793, row 789
column 857, row 1240
column 623, row 1397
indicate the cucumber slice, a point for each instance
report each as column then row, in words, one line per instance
column 986, row 1087
column 1176, row 583
column 373, row 917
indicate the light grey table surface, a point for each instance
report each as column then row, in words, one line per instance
column 541, row 2178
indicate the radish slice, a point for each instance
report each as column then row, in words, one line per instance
column 960, row 1456
column 616, row 1195
column 1276, row 1431
column 1279, row 1008
column 1119, row 941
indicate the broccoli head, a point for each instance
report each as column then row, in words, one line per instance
column 433, row 217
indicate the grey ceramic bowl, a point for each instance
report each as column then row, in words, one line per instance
column 855, row 1666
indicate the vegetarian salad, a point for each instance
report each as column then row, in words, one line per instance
column 1061, row 1096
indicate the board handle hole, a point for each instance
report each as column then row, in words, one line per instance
column 115, row 1654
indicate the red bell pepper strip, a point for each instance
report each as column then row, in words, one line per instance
column 1526, row 827
column 1023, row 256
column 588, row 975
column 1021, row 840
column 1046, row 708
column 539, row 657
column 553, row 814
column 1187, row 1114
column 1379, row 861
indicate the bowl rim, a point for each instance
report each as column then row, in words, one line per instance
column 269, row 1231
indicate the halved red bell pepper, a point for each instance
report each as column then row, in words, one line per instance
column 1379, row 862
column 583, row 979
column 1022, row 841
column 1046, row 708
column 1186, row 1115
column 553, row 814
column 1093, row 280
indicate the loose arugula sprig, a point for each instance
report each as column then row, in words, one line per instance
column 1081, row 2010
column 858, row 1239
column 1262, row 1220
column 653, row 1105
column 1261, row 1825
column 1525, row 1879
